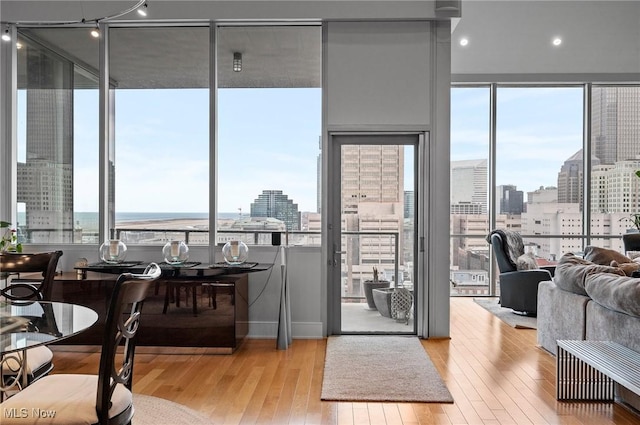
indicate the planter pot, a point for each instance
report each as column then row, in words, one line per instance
column 382, row 300
column 369, row 286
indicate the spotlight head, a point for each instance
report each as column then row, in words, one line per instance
column 95, row 33
column 6, row 36
column 142, row 10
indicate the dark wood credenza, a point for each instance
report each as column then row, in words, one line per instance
column 219, row 322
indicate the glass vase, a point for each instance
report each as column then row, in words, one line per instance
column 113, row 251
column 175, row 252
column 235, row 252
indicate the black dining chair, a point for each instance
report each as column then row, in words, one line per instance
column 105, row 398
column 14, row 265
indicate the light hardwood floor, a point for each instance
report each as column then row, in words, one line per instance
column 496, row 374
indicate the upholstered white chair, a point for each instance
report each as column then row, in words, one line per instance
column 105, row 398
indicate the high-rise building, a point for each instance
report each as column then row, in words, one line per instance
column 570, row 177
column 275, row 204
column 371, row 173
column 614, row 188
column 373, row 199
column 409, row 203
column 45, row 179
column 510, row 200
column 615, row 123
column 469, row 184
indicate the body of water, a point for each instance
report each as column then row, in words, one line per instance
column 88, row 221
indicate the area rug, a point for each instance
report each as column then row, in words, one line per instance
column 151, row 410
column 506, row 314
column 382, row 369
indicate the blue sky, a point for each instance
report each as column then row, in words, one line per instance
column 537, row 130
column 269, row 140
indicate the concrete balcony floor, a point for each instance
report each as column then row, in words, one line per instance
column 358, row 318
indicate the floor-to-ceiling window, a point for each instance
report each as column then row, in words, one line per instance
column 615, row 157
column 159, row 77
column 469, row 221
column 57, row 136
column 269, row 126
column 159, row 124
column 539, row 133
column 538, row 172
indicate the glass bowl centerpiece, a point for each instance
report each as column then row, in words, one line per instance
column 175, row 252
column 235, row 252
column 113, row 251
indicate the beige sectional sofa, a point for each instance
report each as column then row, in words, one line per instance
column 594, row 301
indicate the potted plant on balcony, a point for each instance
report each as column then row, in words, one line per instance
column 634, row 218
column 370, row 285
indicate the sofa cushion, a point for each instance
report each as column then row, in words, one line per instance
column 604, row 256
column 618, row 293
column 571, row 272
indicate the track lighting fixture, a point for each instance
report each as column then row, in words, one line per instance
column 142, row 10
column 237, row 62
column 6, row 36
column 95, row 33
column 141, row 6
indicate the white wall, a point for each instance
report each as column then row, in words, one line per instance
column 394, row 57
column 395, row 76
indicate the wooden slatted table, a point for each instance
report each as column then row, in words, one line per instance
column 588, row 370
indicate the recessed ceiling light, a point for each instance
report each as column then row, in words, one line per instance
column 464, row 41
column 557, row 41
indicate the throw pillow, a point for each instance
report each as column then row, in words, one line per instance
column 571, row 272
column 604, row 256
column 526, row 262
column 627, row 268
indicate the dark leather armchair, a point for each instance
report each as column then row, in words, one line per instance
column 518, row 288
column 631, row 242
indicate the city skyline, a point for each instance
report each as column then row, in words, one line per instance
column 137, row 137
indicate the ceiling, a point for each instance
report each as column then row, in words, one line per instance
column 178, row 57
column 509, row 40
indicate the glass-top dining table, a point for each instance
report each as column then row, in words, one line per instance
column 32, row 324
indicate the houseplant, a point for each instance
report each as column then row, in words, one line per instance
column 9, row 239
column 634, row 218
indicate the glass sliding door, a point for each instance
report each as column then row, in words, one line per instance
column 375, row 253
